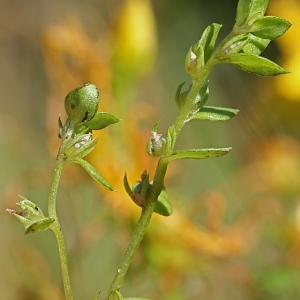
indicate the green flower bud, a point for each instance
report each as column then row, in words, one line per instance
column 194, row 60
column 137, row 194
column 81, row 104
column 156, row 144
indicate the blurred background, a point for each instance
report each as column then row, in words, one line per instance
column 235, row 230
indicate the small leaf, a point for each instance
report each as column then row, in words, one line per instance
column 127, row 187
column 235, row 45
column 163, row 206
column 255, row 64
column 255, row 45
column 202, row 95
column 180, row 97
column 145, row 185
column 208, row 40
column 101, row 120
column 80, row 146
column 39, row 225
column 155, row 127
column 93, row 172
column 170, row 139
column 257, row 9
column 213, row 113
column 242, row 12
column 270, row 27
column 199, row 153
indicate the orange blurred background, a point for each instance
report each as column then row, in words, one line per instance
column 235, row 230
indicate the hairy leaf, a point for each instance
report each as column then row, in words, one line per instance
column 170, row 139
column 257, row 9
column 101, row 120
column 242, row 12
column 93, row 173
column 270, row 27
column 208, row 39
column 199, row 153
column 255, row 64
column 213, row 113
column 255, row 45
column 235, row 45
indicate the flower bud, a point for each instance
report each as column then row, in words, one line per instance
column 156, row 144
column 194, row 60
column 81, row 104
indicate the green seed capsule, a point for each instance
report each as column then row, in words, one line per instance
column 137, row 196
column 81, row 104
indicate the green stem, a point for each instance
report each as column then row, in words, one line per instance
column 161, row 169
column 197, row 83
column 56, row 225
column 158, row 184
column 140, row 229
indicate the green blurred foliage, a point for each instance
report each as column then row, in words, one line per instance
column 248, row 200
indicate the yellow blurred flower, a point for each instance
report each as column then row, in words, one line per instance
column 135, row 38
column 287, row 86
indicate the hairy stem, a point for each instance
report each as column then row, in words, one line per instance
column 56, row 225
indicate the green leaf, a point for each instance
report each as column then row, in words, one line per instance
column 213, row 113
column 257, row 9
column 199, row 153
column 155, row 127
column 255, row 64
column 127, row 187
column 93, row 172
column 270, row 27
column 40, row 225
column 202, row 95
column 208, row 40
column 170, row 139
column 163, row 205
column 101, row 120
column 80, row 146
column 255, row 45
column 180, row 97
column 242, row 12
column 235, row 45
column 145, row 185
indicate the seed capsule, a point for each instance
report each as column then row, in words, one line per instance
column 81, row 104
